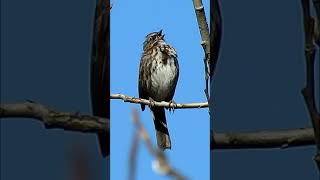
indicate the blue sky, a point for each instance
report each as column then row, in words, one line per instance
column 131, row 21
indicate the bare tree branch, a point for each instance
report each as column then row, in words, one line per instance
column 55, row 119
column 84, row 123
column 308, row 91
column 135, row 100
column 205, row 36
column 262, row 139
column 216, row 34
column 100, row 69
column 316, row 4
column 163, row 165
column 215, row 38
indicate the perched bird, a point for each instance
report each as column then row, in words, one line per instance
column 158, row 76
column 100, row 71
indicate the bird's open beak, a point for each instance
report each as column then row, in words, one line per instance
column 160, row 34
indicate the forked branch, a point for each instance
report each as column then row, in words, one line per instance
column 205, row 36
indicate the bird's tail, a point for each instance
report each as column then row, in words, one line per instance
column 160, row 124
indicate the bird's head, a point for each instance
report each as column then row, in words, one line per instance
column 153, row 38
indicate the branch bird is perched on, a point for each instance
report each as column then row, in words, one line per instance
column 158, row 76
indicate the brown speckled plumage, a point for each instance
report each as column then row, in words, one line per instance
column 158, row 76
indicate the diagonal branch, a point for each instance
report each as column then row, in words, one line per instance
column 55, row 119
column 262, row 139
column 308, row 91
column 162, row 165
column 133, row 156
column 205, row 36
column 135, row 100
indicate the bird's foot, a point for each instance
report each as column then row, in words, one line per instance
column 152, row 102
column 172, row 105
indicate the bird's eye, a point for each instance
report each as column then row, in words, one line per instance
column 152, row 38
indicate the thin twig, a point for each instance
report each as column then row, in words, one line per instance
column 262, row 139
column 163, row 165
column 135, row 100
column 308, row 91
column 205, row 43
column 55, row 119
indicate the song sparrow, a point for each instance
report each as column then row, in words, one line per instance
column 158, row 76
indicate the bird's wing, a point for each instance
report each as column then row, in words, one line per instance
column 144, row 77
